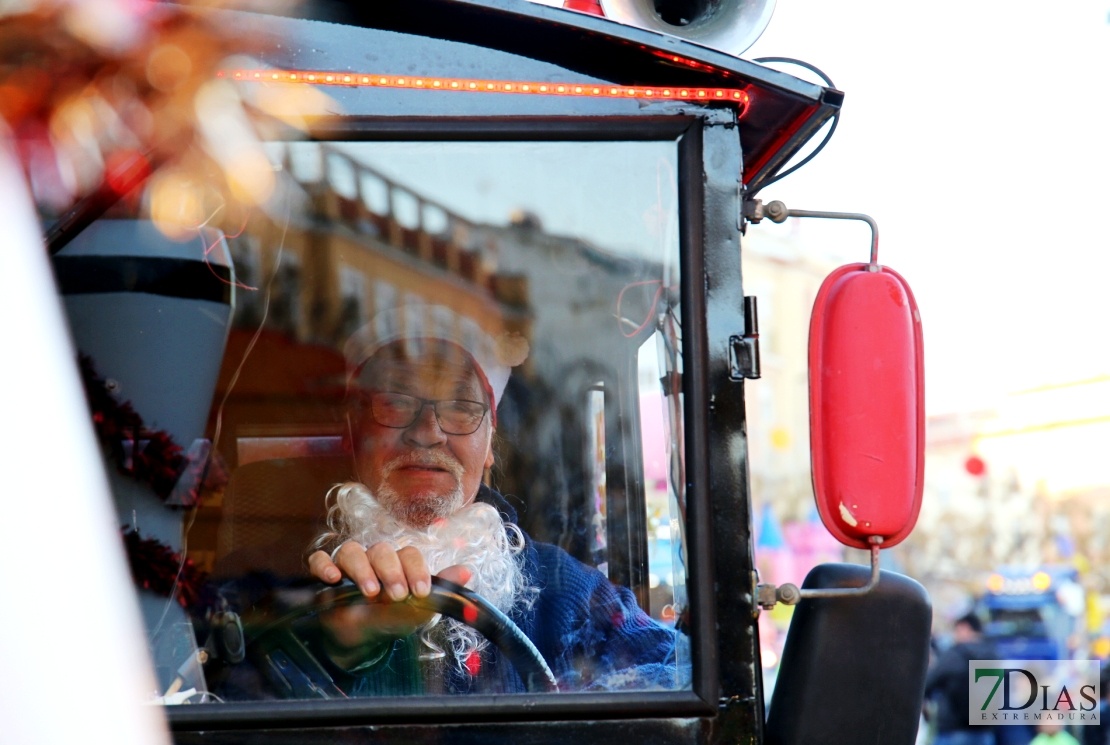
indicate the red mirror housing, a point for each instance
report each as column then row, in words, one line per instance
column 866, row 405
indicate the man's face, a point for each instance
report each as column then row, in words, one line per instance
column 963, row 632
column 419, row 472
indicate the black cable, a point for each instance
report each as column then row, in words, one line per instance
column 828, row 135
column 799, row 63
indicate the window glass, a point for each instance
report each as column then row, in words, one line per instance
column 453, row 357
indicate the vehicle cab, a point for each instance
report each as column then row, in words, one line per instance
column 578, row 187
column 1034, row 613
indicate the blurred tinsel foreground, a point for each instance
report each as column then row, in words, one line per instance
column 104, row 97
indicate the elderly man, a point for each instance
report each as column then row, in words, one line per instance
column 422, row 407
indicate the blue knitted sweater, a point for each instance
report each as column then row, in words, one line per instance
column 592, row 633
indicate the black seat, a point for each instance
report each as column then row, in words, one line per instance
column 853, row 668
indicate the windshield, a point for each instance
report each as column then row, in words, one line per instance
column 514, row 306
column 1020, row 622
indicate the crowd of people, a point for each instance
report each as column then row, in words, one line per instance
column 948, row 692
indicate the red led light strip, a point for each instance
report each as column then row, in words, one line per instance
column 733, row 96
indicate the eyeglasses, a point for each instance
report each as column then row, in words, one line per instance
column 455, row 416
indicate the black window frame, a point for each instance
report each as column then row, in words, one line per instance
column 708, row 238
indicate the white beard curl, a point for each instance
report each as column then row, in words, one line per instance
column 474, row 536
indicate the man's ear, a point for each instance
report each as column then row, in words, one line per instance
column 489, row 450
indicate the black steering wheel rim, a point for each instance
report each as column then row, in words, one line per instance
column 465, row 606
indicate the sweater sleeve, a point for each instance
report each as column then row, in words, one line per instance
column 595, row 635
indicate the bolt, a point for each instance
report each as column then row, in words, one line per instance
column 788, row 594
column 776, row 211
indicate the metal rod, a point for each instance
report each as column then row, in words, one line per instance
column 845, row 216
column 778, row 212
column 841, row 592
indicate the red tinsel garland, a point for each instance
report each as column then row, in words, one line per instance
column 153, row 458
column 150, row 456
column 157, row 568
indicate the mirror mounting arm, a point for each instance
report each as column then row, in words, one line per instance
column 776, row 211
column 767, row 596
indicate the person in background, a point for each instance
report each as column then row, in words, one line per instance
column 1099, row 734
column 1053, row 733
column 948, row 689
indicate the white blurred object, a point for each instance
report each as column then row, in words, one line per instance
column 71, row 620
column 729, row 26
column 174, row 699
column 1072, row 598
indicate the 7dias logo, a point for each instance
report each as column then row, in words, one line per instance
column 1032, row 691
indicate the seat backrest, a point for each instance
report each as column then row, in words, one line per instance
column 272, row 511
column 853, row 668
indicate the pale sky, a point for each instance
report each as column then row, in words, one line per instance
column 976, row 134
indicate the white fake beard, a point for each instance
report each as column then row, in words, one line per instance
column 421, row 510
column 474, row 536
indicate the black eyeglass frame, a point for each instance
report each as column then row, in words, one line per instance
column 364, row 401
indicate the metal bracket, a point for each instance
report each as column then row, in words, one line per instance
column 754, row 210
column 767, row 596
column 743, row 350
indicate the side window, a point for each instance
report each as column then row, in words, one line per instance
column 662, row 437
column 467, row 350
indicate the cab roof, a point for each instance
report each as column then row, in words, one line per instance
column 783, row 112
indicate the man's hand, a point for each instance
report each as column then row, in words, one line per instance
column 385, row 577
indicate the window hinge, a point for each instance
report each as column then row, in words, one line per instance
column 744, row 348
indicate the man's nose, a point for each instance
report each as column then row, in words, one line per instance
column 425, row 430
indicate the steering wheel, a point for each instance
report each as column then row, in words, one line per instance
column 304, row 677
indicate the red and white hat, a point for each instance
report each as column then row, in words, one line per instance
column 418, row 324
